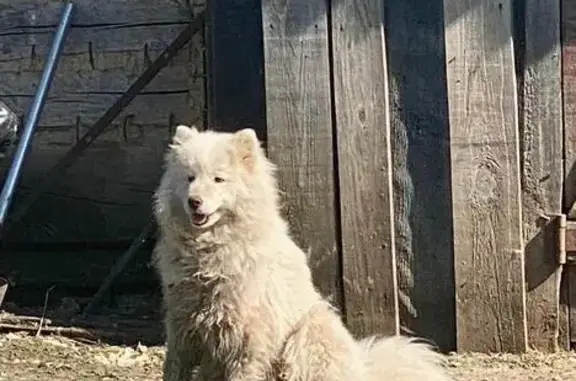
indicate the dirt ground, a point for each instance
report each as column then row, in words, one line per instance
column 123, row 343
column 24, row 357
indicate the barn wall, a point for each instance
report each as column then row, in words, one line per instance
column 105, row 196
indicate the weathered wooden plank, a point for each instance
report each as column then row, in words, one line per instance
column 115, row 73
column 569, row 99
column 569, row 92
column 146, row 109
column 34, row 13
column 365, row 167
column 298, row 109
column 235, row 77
column 421, row 169
column 104, row 196
column 489, row 260
column 564, row 339
column 542, row 169
column 100, row 73
column 26, row 49
column 571, row 280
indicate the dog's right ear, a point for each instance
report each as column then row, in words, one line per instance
column 247, row 147
column 183, row 134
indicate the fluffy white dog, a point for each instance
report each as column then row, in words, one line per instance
column 240, row 303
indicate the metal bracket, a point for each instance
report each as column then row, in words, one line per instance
column 569, row 242
column 566, row 240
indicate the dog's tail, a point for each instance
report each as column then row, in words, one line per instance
column 400, row 358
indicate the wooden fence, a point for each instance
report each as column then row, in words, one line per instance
column 424, row 147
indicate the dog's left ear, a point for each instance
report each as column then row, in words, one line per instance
column 183, row 134
column 247, row 146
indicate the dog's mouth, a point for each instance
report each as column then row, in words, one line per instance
column 199, row 219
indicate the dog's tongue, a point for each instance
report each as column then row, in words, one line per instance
column 198, row 218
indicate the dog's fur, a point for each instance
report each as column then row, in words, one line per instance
column 240, row 303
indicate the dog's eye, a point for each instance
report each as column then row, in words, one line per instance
column 219, row 179
column 191, row 178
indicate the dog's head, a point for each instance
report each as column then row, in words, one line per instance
column 208, row 172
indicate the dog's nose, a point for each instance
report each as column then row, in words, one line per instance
column 194, row 202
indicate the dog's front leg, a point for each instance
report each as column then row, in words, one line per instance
column 182, row 356
column 253, row 369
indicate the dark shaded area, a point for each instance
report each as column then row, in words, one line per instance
column 67, row 280
column 570, row 188
column 541, row 263
column 85, row 268
column 128, row 318
column 235, row 66
column 419, row 110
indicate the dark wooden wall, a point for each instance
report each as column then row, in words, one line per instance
column 569, row 92
column 105, row 196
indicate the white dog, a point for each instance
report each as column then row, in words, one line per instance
column 240, row 303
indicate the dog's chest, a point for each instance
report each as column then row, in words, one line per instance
column 221, row 318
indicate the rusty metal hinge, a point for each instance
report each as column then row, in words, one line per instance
column 566, row 239
column 562, row 224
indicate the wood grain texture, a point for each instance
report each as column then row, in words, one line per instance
column 569, row 101
column 365, row 167
column 25, row 48
column 298, row 109
column 542, row 170
column 571, row 281
column 110, row 68
column 106, row 195
column 569, row 97
column 146, row 108
column 35, row 13
column 489, row 260
column 421, row 169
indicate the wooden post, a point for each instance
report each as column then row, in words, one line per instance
column 489, row 261
column 542, row 171
column 569, row 93
column 300, row 140
column 365, row 171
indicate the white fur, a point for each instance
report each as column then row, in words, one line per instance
column 240, row 303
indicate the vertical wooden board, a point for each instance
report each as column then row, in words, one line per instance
column 564, row 339
column 234, row 65
column 489, row 262
column 569, row 99
column 421, row 169
column 299, row 128
column 571, row 281
column 365, row 171
column 542, row 169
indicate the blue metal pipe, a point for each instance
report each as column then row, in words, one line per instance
column 34, row 113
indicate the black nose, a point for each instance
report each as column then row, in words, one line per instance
column 194, row 202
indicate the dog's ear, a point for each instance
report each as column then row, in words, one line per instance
column 247, row 146
column 183, row 134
